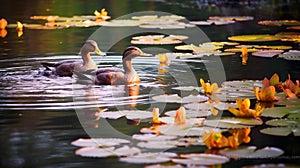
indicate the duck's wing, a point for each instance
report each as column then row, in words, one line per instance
column 110, row 78
column 47, row 65
column 109, row 70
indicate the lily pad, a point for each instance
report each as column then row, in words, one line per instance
column 281, row 131
column 158, row 39
column 271, row 165
column 190, row 113
column 166, row 144
column 284, row 122
column 100, row 142
column 197, row 159
column 254, row 38
column 291, row 55
column 106, row 152
column 279, row 112
column 129, row 114
column 267, row 53
column 279, row 22
column 152, row 137
column 241, row 84
column 251, row 152
column 236, row 18
column 174, row 98
column 186, row 88
column 183, row 130
column 232, row 122
column 148, row 158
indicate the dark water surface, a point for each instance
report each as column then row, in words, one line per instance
column 40, row 116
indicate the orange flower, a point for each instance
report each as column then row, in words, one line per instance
column 180, row 117
column 3, row 23
column 244, row 55
column 208, row 88
column 267, row 94
column 217, row 140
column 291, row 89
column 19, row 29
column 244, row 109
column 155, row 116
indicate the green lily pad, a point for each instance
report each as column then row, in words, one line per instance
column 281, row 131
column 147, row 158
column 197, row 159
column 272, row 165
column 242, row 84
column 291, row 55
column 174, row 98
column 251, row 152
column 254, row 38
column 267, row 53
column 190, row 113
column 279, row 112
column 129, row 114
column 233, row 123
column 186, row 88
column 284, row 122
column 152, row 137
column 106, row 152
column 166, row 144
column 183, row 130
column 100, row 142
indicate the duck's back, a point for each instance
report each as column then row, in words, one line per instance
column 109, row 77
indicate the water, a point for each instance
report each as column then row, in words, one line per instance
column 41, row 116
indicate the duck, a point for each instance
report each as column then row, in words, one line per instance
column 67, row 67
column 117, row 76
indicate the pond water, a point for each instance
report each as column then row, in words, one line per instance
column 41, row 116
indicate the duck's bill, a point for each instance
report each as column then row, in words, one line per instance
column 145, row 54
column 99, row 52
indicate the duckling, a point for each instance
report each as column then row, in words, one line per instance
column 115, row 76
column 67, row 67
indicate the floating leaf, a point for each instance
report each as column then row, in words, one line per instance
column 281, row 131
column 165, row 144
column 190, row 113
column 236, row 18
column 147, row 158
column 129, row 114
column 174, row 98
column 152, row 137
column 197, row 159
column 254, row 38
column 291, row 55
column 251, row 152
column 242, row 84
column 165, row 166
column 158, row 39
column 228, row 122
column 270, row 165
column 273, row 47
column 279, row 22
column 267, row 53
column 186, row 88
column 284, row 122
column 106, row 152
column 198, row 106
column 102, row 142
column 280, row 112
column 183, row 130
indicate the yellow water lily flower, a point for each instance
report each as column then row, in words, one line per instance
column 244, row 55
column 267, row 94
column 208, row 88
column 244, row 109
column 19, row 29
column 155, row 116
column 216, row 140
column 180, row 116
column 291, row 89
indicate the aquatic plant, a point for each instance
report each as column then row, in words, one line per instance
column 214, row 139
column 244, row 109
column 208, row 88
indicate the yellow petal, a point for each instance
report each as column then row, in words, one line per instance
column 180, row 117
column 256, row 92
column 268, row 94
column 274, row 79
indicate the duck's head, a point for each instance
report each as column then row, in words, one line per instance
column 92, row 46
column 132, row 52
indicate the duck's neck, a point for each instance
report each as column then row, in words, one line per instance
column 86, row 57
column 127, row 65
